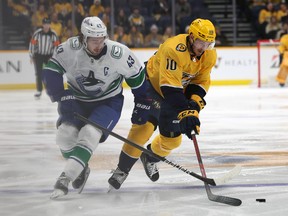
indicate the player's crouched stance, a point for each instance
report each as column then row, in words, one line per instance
column 95, row 68
column 178, row 80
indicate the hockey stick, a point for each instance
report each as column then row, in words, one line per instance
column 274, row 44
column 215, row 198
column 204, row 179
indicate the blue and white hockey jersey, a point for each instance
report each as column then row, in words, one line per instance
column 93, row 79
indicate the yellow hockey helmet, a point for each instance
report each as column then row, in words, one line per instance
column 203, row 29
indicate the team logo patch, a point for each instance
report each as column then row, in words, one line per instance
column 75, row 44
column 89, row 84
column 181, row 47
column 116, row 52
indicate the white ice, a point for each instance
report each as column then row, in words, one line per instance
column 240, row 125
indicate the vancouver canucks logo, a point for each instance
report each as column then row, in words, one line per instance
column 87, row 21
column 116, row 52
column 181, row 47
column 91, row 80
column 75, row 44
column 90, row 85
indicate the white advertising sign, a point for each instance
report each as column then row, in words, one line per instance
column 235, row 63
column 15, row 68
column 232, row 64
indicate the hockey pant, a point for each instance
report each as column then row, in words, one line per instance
column 162, row 115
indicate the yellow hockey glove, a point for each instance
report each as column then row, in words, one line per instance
column 198, row 100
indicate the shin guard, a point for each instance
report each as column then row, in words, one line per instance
column 162, row 145
column 138, row 134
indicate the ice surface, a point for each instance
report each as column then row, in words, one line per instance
column 240, row 125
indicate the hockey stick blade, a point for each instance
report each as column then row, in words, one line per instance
column 228, row 176
column 222, row 199
column 163, row 159
column 212, row 197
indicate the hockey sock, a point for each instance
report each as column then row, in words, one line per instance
column 126, row 162
column 73, row 169
column 151, row 159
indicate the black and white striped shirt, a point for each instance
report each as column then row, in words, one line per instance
column 43, row 43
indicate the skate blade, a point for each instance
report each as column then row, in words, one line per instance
column 57, row 194
column 110, row 189
column 84, row 183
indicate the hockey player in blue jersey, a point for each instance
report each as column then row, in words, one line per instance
column 95, row 68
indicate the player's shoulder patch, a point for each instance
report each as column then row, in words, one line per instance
column 116, row 51
column 74, row 43
column 181, row 47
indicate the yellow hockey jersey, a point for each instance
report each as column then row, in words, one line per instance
column 172, row 66
column 283, row 47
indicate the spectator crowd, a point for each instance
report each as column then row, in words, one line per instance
column 138, row 23
column 141, row 23
column 270, row 18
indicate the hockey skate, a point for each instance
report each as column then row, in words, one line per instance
column 150, row 166
column 60, row 187
column 80, row 181
column 37, row 95
column 117, row 179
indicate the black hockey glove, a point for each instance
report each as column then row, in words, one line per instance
column 141, row 110
column 189, row 122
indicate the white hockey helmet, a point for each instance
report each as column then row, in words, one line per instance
column 93, row 27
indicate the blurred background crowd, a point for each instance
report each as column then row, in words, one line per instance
column 145, row 23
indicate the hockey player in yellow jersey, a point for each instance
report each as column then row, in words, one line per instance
column 283, row 50
column 178, row 77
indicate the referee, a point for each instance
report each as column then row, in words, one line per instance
column 41, row 47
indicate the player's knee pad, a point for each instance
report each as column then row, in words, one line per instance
column 138, row 134
column 87, row 142
column 162, row 145
column 66, row 138
column 89, row 137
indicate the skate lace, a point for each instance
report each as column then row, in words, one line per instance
column 152, row 168
column 63, row 180
column 119, row 175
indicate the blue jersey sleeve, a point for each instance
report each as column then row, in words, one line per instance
column 54, row 84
